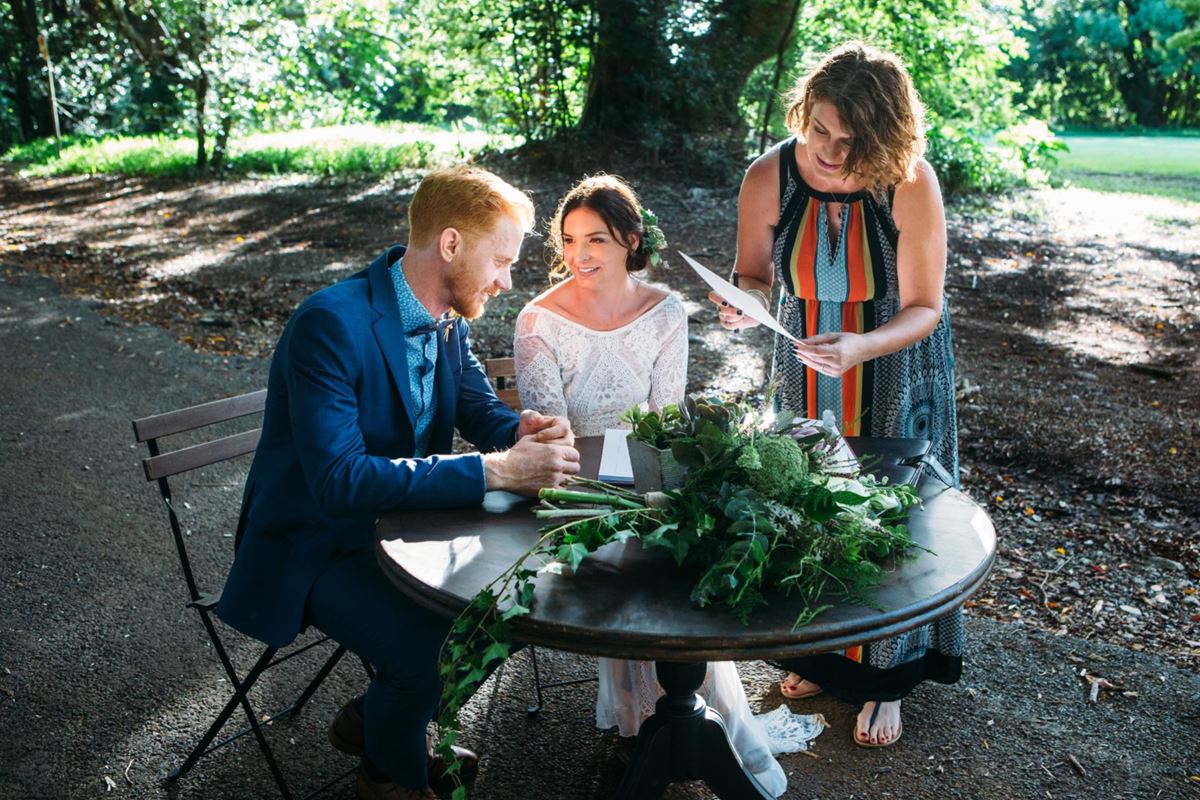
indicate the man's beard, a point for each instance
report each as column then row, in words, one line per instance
column 465, row 291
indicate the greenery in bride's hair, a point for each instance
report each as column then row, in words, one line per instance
column 768, row 506
column 653, row 240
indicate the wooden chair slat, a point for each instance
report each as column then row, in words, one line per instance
column 186, row 419
column 502, row 372
column 201, row 455
column 500, row 368
column 510, row 397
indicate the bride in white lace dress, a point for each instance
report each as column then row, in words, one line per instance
column 591, row 347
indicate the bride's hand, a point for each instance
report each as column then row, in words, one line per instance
column 731, row 318
column 545, row 429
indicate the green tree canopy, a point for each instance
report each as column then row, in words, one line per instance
column 1111, row 62
column 658, row 77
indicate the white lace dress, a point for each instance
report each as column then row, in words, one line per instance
column 593, row 377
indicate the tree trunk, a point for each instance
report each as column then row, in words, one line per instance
column 629, row 63
column 23, row 104
column 1142, row 89
column 637, row 88
column 780, row 53
column 200, row 86
column 32, row 107
column 221, row 145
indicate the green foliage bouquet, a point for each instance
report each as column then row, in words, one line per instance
column 767, row 504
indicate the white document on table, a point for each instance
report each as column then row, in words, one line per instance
column 614, row 458
column 841, row 459
column 738, row 298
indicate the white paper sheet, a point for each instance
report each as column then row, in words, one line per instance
column 842, row 460
column 736, row 297
column 615, row 466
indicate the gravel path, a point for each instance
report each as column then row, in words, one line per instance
column 106, row 679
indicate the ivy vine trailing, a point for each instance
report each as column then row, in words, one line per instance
column 765, row 504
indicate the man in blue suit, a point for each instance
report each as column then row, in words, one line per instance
column 368, row 383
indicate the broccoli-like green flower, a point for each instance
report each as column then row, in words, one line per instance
column 748, row 459
column 782, row 465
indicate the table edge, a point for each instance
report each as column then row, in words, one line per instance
column 586, row 641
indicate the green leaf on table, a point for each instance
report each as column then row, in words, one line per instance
column 517, row 610
column 498, row 651
column 849, row 498
column 572, row 554
column 624, row 535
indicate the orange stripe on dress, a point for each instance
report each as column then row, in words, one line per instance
column 854, row 653
column 856, row 276
column 804, row 255
column 852, row 379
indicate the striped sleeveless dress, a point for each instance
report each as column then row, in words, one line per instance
column 850, row 285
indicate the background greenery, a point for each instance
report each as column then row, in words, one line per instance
column 176, row 86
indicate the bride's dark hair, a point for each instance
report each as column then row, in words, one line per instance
column 612, row 199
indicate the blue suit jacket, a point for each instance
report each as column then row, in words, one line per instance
column 337, row 446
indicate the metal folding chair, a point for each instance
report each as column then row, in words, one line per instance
column 160, row 467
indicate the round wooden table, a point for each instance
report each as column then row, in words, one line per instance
column 625, row 602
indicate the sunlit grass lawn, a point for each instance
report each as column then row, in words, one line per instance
column 334, row 151
column 1163, row 165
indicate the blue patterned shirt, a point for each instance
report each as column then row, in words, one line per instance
column 421, row 349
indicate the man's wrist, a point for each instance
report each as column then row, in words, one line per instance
column 491, row 475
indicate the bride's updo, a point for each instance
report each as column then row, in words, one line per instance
column 617, row 205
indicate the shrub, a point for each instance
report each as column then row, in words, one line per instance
column 1020, row 155
column 962, row 162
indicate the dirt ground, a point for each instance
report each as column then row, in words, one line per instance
column 1076, row 334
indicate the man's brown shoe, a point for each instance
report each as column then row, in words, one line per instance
column 346, row 731
column 367, row 789
column 346, row 734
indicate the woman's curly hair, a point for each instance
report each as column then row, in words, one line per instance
column 612, row 199
column 877, row 103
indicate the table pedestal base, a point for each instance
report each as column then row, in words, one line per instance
column 686, row 740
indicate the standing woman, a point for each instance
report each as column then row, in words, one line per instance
column 847, row 214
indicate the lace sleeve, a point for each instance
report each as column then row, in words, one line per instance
column 669, row 379
column 539, row 378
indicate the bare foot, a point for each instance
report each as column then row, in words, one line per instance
column 795, row 687
column 885, row 728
